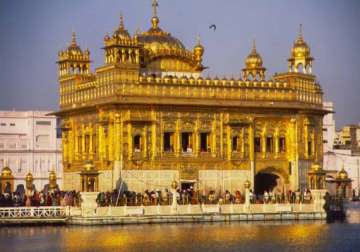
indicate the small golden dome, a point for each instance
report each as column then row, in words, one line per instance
column 74, row 49
column 52, row 176
column 29, row 177
column 89, row 166
column 343, row 174
column 300, row 48
column 253, row 60
column 316, row 167
column 198, row 49
column 174, row 184
column 247, row 184
column 121, row 33
column 6, row 172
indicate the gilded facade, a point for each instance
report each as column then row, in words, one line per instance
column 147, row 117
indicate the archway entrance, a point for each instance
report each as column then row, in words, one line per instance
column 265, row 182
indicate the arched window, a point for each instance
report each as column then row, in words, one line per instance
column 300, row 68
column 137, row 143
column 282, row 144
column 269, row 144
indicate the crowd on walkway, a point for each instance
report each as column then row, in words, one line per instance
column 149, row 197
column 42, row 198
column 190, row 196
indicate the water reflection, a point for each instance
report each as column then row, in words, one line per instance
column 257, row 236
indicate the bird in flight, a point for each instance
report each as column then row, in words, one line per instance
column 213, row 26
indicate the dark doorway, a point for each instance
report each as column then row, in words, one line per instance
column 186, row 185
column 185, row 142
column 265, row 182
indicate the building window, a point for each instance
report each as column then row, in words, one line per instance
column 87, row 143
column 235, row 144
column 204, row 142
column 186, row 142
column 43, row 123
column 94, row 141
column 137, row 143
column 3, row 124
column 257, row 144
column 12, row 124
column 168, row 142
column 269, row 144
column 309, row 143
column 282, row 144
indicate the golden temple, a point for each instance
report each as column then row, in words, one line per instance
column 147, row 117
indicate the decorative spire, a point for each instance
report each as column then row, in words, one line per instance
column 155, row 20
column 155, row 4
column 122, row 27
column 301, row 36
column 73, row 39
column 253, row 49
column 198, row 40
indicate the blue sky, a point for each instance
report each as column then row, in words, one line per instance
column 32, row 32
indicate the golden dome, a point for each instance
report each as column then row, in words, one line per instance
column 155, row 38
column 253, row 60
column 342, row 174
column 6, row 172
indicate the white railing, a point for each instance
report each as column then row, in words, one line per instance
column 32, row 212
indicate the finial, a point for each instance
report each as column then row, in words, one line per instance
column 198, row 40
column 155, row 4
column 73, row 39
column 300, row 31
column 121, row 21
column 253, row 49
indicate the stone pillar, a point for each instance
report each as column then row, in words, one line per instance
column 130, row 141
column 76, row 144
column 65, row 146
column 91, row 150
column 263, row 143
column 242, row 139
column 83, row 153
column 276, row 144
column 252, row 154
column 221, row 140
column 213, row 138
column 101, row 142
column 196, row 141
column 174, row 200
column 306, row 132
column 153, row 140
column 145, row 143
column 177, row 138
column 247, row 186
column 88, row 204
column 110, row 140
column 228, row 142
column 318, row 199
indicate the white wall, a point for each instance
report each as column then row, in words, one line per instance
column 28, row 143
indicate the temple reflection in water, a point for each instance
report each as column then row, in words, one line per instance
column 148, row 117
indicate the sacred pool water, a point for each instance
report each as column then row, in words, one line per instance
column 255, row 236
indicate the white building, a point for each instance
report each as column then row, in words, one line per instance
column 338, row 152
column 29, row 143
column 329, row 130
